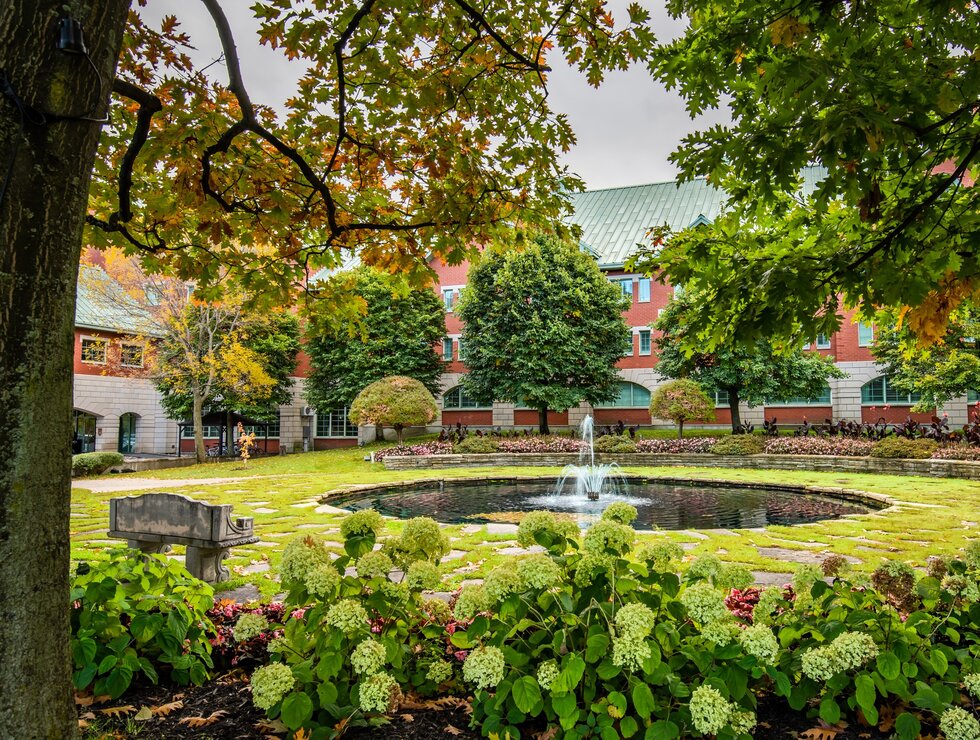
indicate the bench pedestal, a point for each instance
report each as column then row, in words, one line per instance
column 206, row 563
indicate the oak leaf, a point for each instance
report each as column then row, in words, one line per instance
column 118, row 711
column 165, row 709
column 203, row 721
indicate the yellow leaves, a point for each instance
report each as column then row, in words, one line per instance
column 786, row 30
column 929, row 320
column 739, row 56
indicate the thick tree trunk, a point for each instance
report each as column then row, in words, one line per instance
column 680, row 429
column 197, row 416
column 733, row 401
column 543, row 420
column 41, row 218
column 399, row 433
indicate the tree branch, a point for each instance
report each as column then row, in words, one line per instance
column 480, row 20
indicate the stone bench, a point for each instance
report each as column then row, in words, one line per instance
column 154, row 521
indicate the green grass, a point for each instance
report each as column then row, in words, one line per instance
column 933, row 516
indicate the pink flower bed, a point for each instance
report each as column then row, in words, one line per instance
column 957, row 452
column 540, row 444
column 846, row 446
column 677, row 446
column 425, row 448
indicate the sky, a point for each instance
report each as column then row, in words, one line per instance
column 625, row 130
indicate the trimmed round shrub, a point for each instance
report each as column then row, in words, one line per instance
column 904, row 448
column 476, row 446
column 395, row 402
column 93, row 463
column 740, row 445
column 680, row 401
column 615, row 443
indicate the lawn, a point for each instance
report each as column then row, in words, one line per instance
column 932, row 516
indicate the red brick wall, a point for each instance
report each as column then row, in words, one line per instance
column 627, row 416
column 112, row 367
column 893, row 414
column 334, row 443
column 527, row 418
column 468, row 418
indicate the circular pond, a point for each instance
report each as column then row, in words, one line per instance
column 659, row 504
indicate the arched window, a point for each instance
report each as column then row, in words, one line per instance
column 880, row 391
column 631, row 396
column 456, row 398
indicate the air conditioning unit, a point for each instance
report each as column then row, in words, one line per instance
column 308, row 411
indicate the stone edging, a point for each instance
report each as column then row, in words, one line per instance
column 831, row 463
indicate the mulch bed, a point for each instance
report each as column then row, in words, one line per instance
column 223, row 710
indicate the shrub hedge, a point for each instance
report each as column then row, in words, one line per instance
column 93, row 463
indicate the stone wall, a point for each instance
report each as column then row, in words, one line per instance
column 829, row 463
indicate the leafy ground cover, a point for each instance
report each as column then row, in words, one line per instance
column 283, row 495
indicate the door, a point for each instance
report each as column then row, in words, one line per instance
column 127, row 433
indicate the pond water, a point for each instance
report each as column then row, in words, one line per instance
column 660, row 505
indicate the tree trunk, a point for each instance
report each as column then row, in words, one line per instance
column 543, row 420
column 399, row 431
column 733, row 401
column 680, row 429
column 42, row 214
column 197, row 416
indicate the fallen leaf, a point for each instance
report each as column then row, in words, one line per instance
column 408, row 717
column 88, row 715
column 820, row 733
column 101, row 698
column 549, row 734
column 453, row 730
column 144, row 714
column 82, row 724
column 84, row 700
column 118, row 711
column 165, row 709
column 272, row 726
column 203, row 721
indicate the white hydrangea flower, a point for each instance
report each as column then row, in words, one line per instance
column 270, row 684
column 484, row 667
column 710, row 711
column 368, row 657
column 958, row 724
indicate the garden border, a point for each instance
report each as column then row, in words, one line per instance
column 934, row 468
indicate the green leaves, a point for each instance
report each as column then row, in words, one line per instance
column 296, row 709
column 527, row 695
column 569, row 676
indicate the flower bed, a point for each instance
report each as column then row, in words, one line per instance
column 845, row 446
column 695, row 445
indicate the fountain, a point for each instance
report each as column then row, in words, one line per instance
column 589, row 477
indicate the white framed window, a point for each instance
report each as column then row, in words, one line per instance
column 456, row 398
column 866, row 334
column 644, row 335
column 722, row 399
column 822, row 342
column 450, row 295
column 334, row 423
column 824, row 399
column 626, row 285
column 631, row 396
column 678, row 291
column 880, row 391
column 131, row 354
column 447, row 349
column 628, row 347
column 459, row 349
column 643, row 290
column 211, row 431
column 94, row 350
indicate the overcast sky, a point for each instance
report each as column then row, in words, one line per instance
column 626, row 129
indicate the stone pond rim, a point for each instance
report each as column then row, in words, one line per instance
column 877, row 502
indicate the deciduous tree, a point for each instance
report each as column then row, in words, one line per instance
column 418, row 129
column 543, row 327
column 396, row 335
column 396, row 402
column 755, row 372
column 885, row 98
column 939, row 371
column 680, row 401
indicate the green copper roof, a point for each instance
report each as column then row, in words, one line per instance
column 103, row 305
column 615, row 220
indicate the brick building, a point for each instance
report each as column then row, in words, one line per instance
column 116, row 406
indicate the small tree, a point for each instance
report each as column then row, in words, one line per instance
column 680, row 401
column 395, row 402
column 756, row 372
column 543, row 327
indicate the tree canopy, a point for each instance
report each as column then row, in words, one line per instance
column 543, row 327
column 681, row 400
column 883, row 97
column 756, row 372
column 396, row 335
column 395, row 402
column 940, row 371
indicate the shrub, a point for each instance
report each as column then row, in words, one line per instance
column 904, row 448
column 395, row 402
column 740, row 444
column 229, row 648
column 613, row 443
column 542, row 443
column 680, row 401
column 473, row 445
column 696, row 445
column 846, row 446
column 138, row 613
column 93, row 463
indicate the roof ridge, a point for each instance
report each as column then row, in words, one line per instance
column 672, row 181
